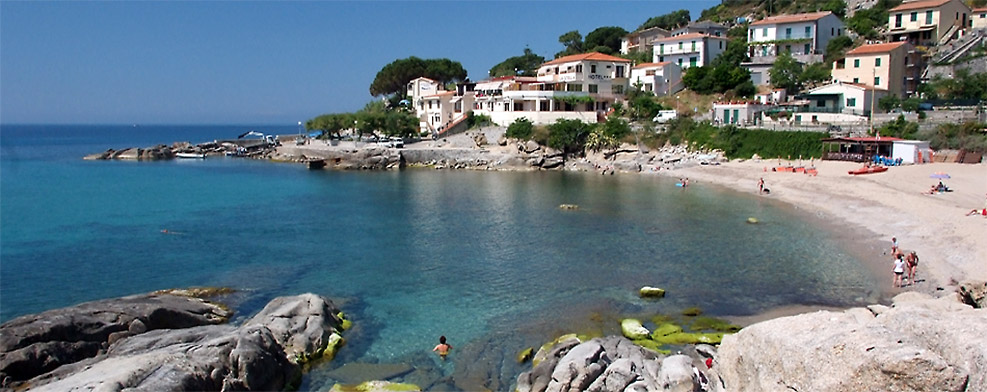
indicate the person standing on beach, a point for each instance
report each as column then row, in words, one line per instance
column 911, row 261
column 899, row 271
column 760, row 186
column 442, row 348
column 894, row 246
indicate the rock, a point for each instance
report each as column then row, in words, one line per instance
column 376, row 386
column 182, row 349
column 99, row 156
column 578, row 368
column 35, row 344
column 529, row 147
column 502, row 141
column 665, row 329
column 676, row 374
column 525, row 355
column 651, row 292
column 632, row 329
column 920, row 344
column 552, row 163
column 544, row 363
column 132, row 154
column 602, row 364
column 480, row 139
column 752, row 220
column 568, row 207
column 302, row 324
column 974, row 294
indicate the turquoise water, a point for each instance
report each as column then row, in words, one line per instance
column 485, row 258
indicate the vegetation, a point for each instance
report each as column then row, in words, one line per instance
column 729, row 10
column 477, row 120
column 963, row 85
column 523, row 65
column 968, row 136
column 521, row 128
column 573, row 43
column 374, row 118
column 836, row 48
column 643, row 105
column 865, row 22
column 900, row 128
column 604, row 40
column 669, row 21
column 394, row 77
column 724, row 73
column 608, row 135
column 736, row 142
column 568, row 136
column 786, row 72
column 815, row 73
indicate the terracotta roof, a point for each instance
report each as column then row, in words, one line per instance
column 688, row 36
column 649, row 65
column 874, row 139
column 877, row 48
column 983, row 9
column 914, row 5
column 792, row 18
column 439, row 94
column 865, row 87
column 594, row 56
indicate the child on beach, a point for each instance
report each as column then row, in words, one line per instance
column 442, row 348
column 894, row 246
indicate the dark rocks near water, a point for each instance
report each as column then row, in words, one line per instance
column 166, row 342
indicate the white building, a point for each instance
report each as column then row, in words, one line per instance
column 582, row 86
column 911, row 151
column 704, row 27
column 978, row 19
column 738, row 112
column 689, row 50
column 421, row 87
column 844, row 98
column 658, row 78
column 804, row 36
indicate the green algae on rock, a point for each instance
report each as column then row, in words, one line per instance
column 703, row 323
column 665, row 329
column 525, row 355
column 690, row 338
column 633, row 329
column 376, row 386
column 651, row 292
column 692, row 312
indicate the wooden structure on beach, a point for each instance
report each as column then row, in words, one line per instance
column 857, row 149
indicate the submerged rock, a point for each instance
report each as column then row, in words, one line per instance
column 651, row 292
column 633, row 329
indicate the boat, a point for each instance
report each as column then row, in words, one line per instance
column 868, row 170
column 190, row 155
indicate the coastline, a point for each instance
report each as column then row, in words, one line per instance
column 868, row 210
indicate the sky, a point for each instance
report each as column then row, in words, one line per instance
column 256, row 62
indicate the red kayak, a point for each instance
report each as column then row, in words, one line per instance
column 868, row 170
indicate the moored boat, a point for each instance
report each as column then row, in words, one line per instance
column 190, row 155
column 868, row 170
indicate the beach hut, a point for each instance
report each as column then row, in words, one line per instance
column 911, row 151
column 858, row 149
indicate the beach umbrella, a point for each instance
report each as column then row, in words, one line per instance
column 939, row 175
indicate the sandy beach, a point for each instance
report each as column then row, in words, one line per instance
column 951, row 245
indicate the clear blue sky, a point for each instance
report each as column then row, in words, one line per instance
column 121, row 62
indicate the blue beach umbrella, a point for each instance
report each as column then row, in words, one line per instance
column 939, row 175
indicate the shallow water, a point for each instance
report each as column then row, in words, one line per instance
column 485, row 258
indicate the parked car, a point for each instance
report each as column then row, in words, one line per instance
column 397, row 142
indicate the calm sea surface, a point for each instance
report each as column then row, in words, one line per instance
column 485, row 258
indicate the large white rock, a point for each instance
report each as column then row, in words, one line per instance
column 633, row 329
column 919, row 344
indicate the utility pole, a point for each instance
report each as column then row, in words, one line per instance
column 873, row 96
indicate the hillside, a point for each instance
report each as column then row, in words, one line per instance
column 730, row 10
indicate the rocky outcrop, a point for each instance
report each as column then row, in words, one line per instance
column 974, row 294
column 918, row 344
column 372, row 157
column 611, row 364
column 35, row 344
column 168, row 350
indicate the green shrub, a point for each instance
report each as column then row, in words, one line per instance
column 477, row 120
column 521, row 128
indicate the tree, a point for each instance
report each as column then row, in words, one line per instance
column 696, row 79
column 568, row 136
column 669, row 21
column 521, row 128
column 785, row 73
column 815, row 73
column 888, row 102
column 644, row 107
column 394, row 77
column 524, row 65
column 573, row 43
column 837, row 7
column 605, row 39
column 836, row 47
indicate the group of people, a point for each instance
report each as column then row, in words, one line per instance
column 684, row 182
column 905, row 266
column 938, row 188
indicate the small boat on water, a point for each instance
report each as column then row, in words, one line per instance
column 190, row 155
column 868, row 170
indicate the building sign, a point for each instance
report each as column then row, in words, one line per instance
column 567, row 77
column 599, row 77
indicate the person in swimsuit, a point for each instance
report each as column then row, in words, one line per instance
column 911, row 261
column 442, row 348
column 760, row 185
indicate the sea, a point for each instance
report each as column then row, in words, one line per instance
column 485, row 258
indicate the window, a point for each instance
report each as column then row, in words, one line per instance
column 788, row 33
column 721, row 44
column 928, row 17
column 592, row 68
column 736, row 115
column 764, row 51
column 820, row 103
column 661, row 59
column 764, row 32
column 579, row 68
column 831, row 29
column 856, row 80
column 692, row 61
column 851, row 102
column 617, row 89
column 807, row 49
column 620, row 71
column 856, row 63
column 647, row 87
column 693, row 46
column 649, row 72
column 897, row 20
column 594, row 88
column 680, row 61
column 661, row 49
column 913, row 17
column 877, row 80
column 808, row 31
column 877, row 62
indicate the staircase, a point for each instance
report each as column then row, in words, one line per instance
column 962, row 46
column 949, row 35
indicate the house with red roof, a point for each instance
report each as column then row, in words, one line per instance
column 839, row 98
column 978, row 19
column 804, row 36
column 658, row 78
column 894, row 66
column 689, row 50
column 927, row 22
column 642, row 40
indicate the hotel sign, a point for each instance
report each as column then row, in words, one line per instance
column 599, row 77
column 567, row 77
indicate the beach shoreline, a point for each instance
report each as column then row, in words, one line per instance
column 868, row 210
